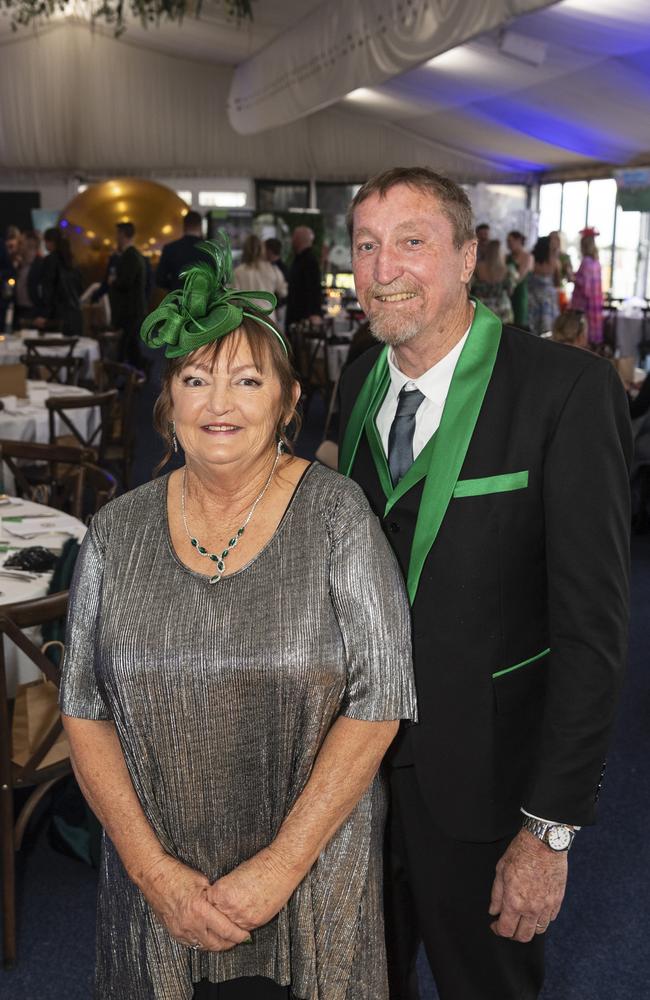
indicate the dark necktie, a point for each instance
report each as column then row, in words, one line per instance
column 400, row 439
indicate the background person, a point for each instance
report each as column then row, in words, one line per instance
column 497, row 464
column 588, row 290
column 570, row 327
column 127, row 293
column 60, row 288
column 543, row 306
column 305, row 296
column 28, row 279
column 522, row 261
column 255, row 271
column 180, row 254
column 494, row 281
column 238, row 652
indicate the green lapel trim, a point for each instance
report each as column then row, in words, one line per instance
column 505, row 483
column 450, row 443
column 442, row 458
column 373, row 388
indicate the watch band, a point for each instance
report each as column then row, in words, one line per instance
column 558, row 836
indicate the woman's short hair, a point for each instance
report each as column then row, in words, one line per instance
column 266, row 349
column 252, row 251
column 454, row 202
column 569, row 326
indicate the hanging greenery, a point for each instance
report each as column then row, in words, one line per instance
column 113, row 12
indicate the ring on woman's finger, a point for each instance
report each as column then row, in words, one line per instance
column 196, row 946
column 540, row 928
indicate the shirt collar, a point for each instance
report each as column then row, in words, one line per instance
column 434, row 383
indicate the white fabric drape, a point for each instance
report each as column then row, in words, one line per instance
column 342, row 46
column 86, row 103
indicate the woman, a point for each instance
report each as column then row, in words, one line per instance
column 570, row 327
column 542, row 296
column 562, row 269
column 238, row 656
column 494, row 282
column 60, row 288
column 588, row 291
column 256, row 272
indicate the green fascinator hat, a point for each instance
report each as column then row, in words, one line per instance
column 205, row 309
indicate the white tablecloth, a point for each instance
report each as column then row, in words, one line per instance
column 12, row 348
column 19, row 668
column 29, row 419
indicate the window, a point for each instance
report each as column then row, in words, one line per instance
column 601, row 214
column 281, row 196
column 333, row 201
column 574, row 216
column 185, row 196
column 626, row 253
column 223, row 199
column 550, row 208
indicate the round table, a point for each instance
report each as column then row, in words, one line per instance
column 51, row 529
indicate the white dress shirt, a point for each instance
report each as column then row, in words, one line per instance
column 434, row 386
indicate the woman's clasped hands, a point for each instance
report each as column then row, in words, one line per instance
column 178, row 895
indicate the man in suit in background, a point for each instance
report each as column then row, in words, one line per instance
column 127, row 293
column 179, row 254
column 498, row 466
column 304, row 299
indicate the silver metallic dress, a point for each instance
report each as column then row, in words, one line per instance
column 221, row 696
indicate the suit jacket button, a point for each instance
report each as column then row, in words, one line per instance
column 393, row 527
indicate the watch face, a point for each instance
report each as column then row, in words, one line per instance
column 559, row 838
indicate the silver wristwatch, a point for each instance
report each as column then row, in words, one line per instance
column 557, row 836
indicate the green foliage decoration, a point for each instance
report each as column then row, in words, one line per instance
column 114, row 12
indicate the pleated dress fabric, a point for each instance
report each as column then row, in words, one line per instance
column 221, row 695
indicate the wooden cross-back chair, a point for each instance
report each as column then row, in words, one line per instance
column 64, row 371
column 309, row 342
column 51, row 366
column 38, row 767
column 120, row 445
column 97, row 437
column 51, row 474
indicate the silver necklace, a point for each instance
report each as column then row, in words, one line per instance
column 219, row 560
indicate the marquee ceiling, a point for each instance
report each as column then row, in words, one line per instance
column 466, row 107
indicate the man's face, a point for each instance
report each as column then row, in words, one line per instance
column 408, row 273
column 513, row 243
column 121, row 240
column 483, row 234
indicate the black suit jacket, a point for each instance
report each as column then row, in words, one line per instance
column 128, row 291
column 175, row 258
column 510, row 576
column 305, row 295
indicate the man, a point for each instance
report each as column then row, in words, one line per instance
column 498, row 466
column 179, row 254
column 304, row 299
column 127, row 293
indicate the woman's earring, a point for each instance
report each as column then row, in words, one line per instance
column 280, row 447
column 174, row 438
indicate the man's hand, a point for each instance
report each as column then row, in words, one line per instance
column 528, row 889
column 256, row 891
column 178, row 896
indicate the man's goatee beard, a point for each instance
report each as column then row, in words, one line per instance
column 389, row 334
